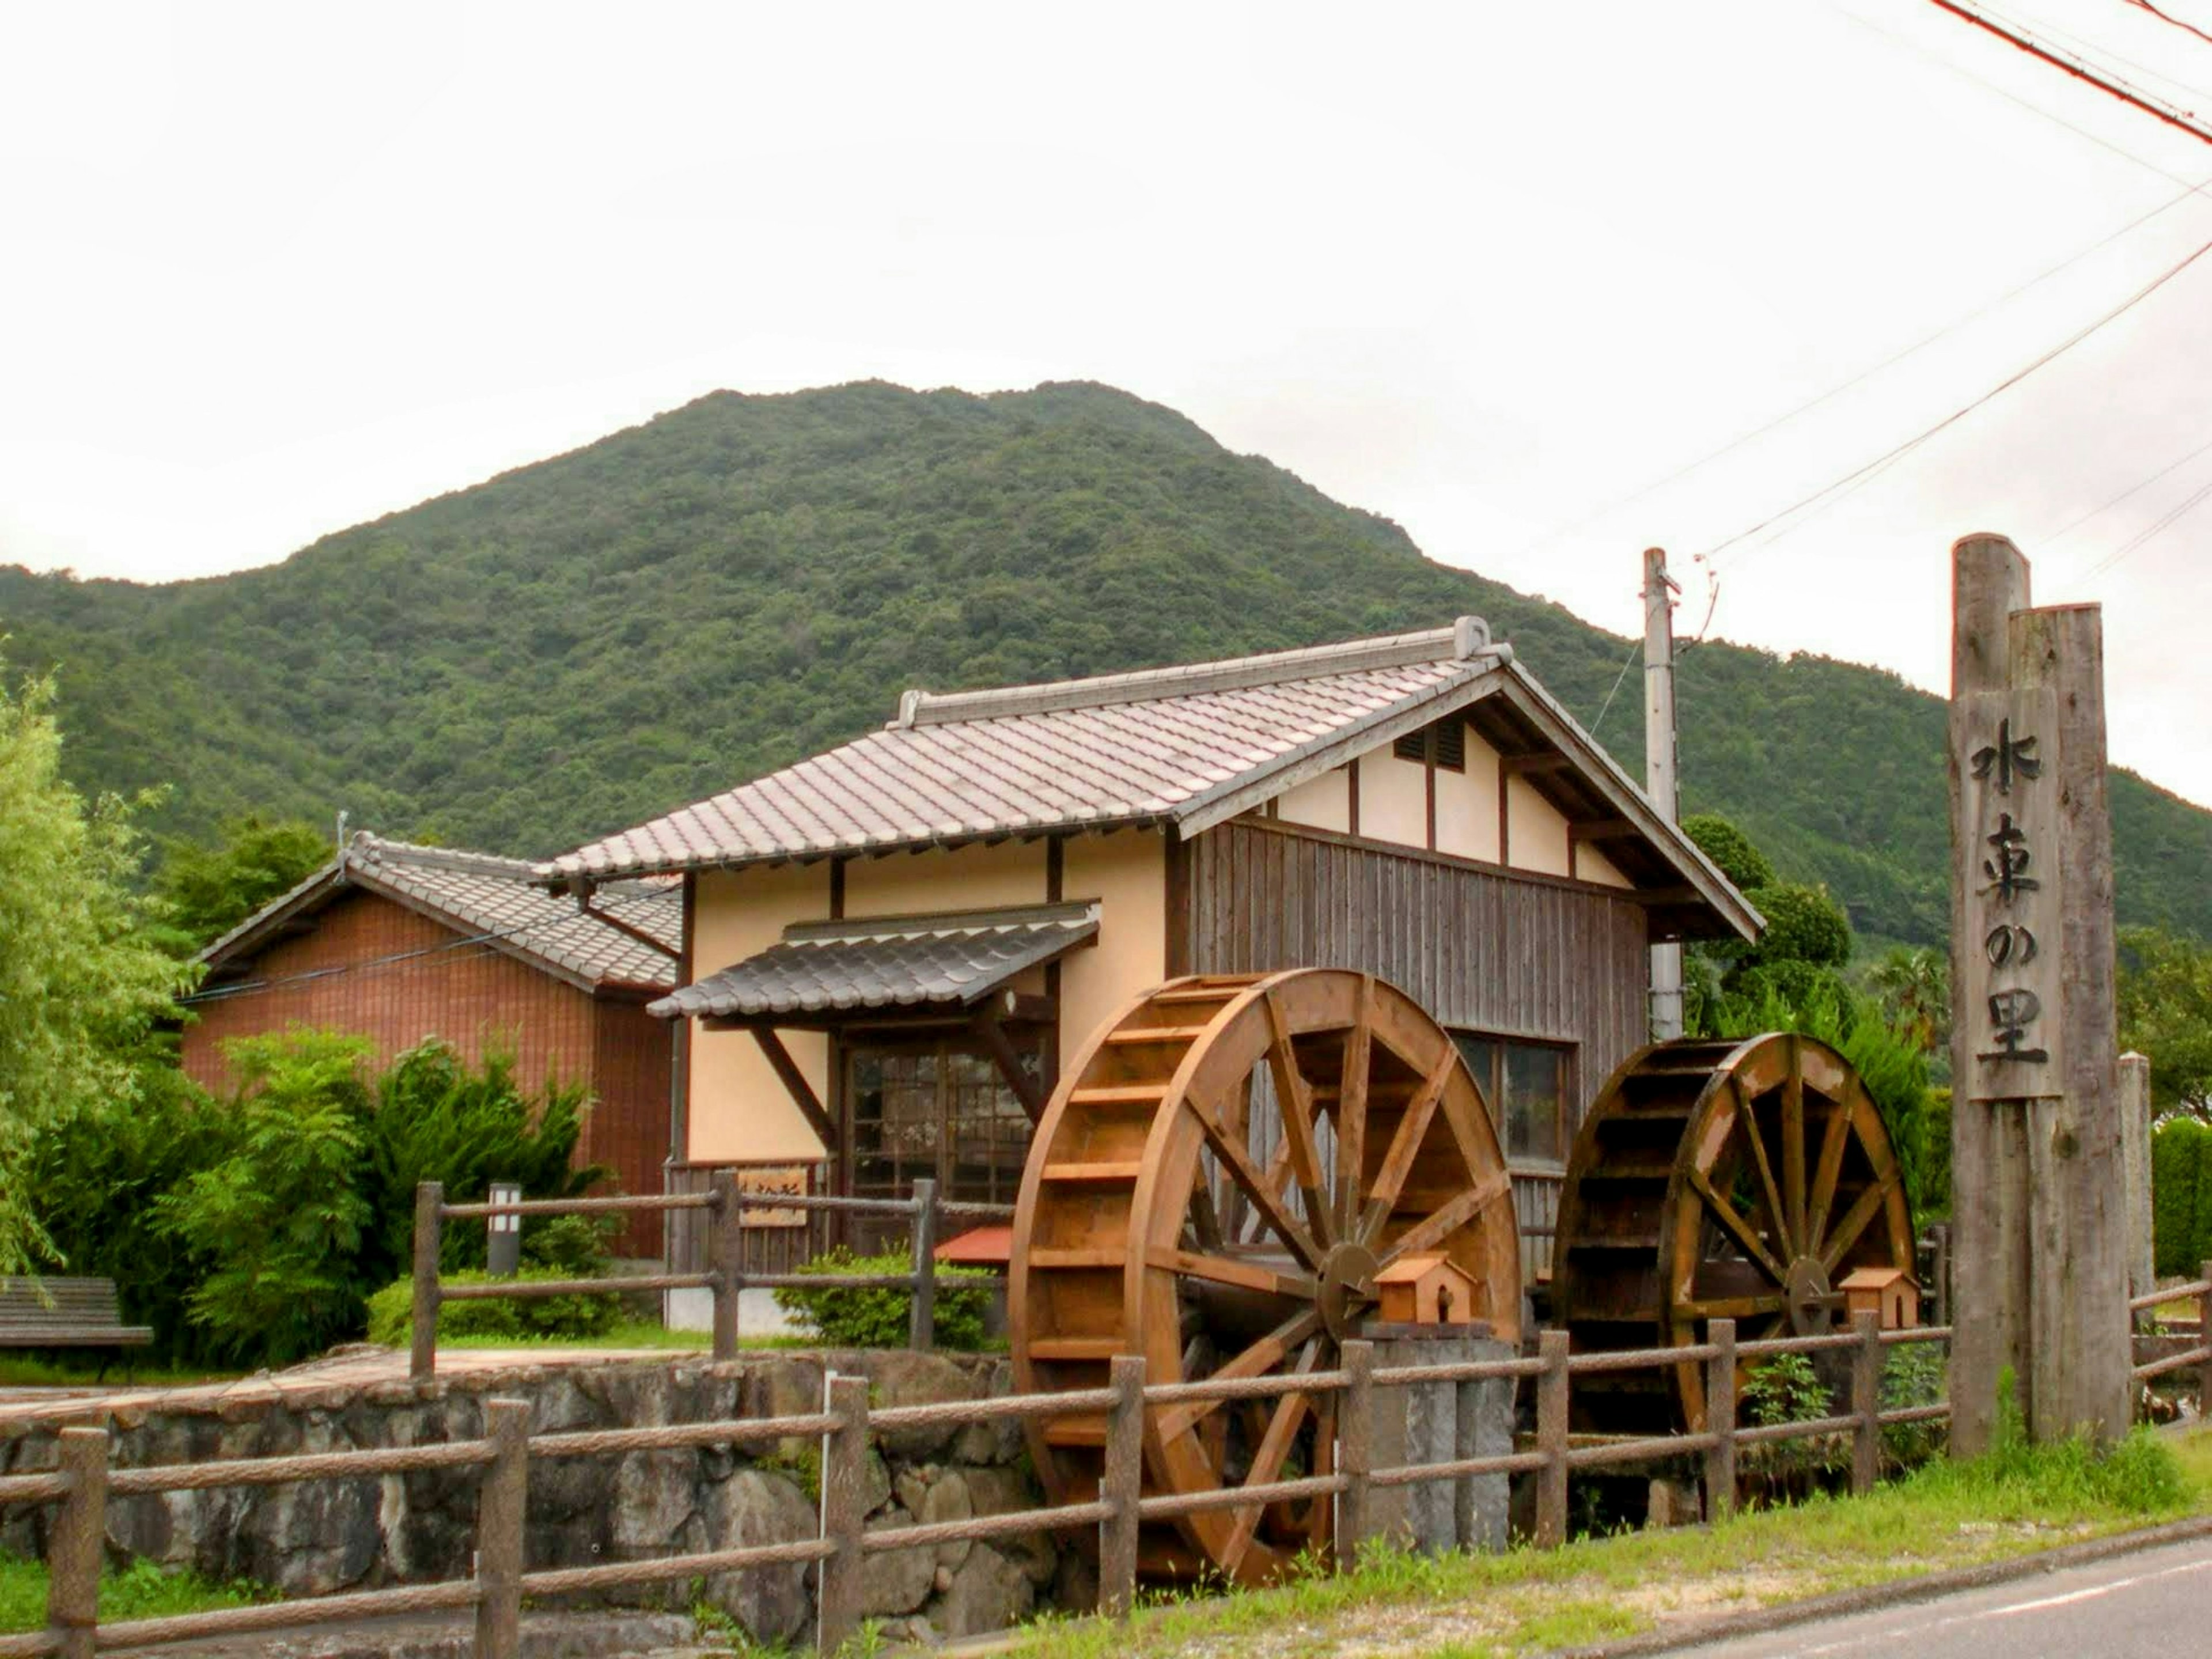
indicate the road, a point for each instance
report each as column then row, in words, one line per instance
column 2156, row 1604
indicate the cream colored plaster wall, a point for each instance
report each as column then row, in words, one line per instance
column 1393, row 799
column 954, row 878
column 739, row 1108
column 1593, row 866
column 1127, row 873
column 1535, row 830
column 1466, row 804
column 1323, row 803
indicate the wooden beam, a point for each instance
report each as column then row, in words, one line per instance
column 794, row 1080
column 993, row 1037
column 1521, row 766
column 674, row 953
column 1027, row 1005
column 1604, row 830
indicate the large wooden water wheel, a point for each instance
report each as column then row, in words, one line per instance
column 1226, row 1166
column 1717, row 1180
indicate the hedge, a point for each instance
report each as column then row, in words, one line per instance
column 2181, row 1198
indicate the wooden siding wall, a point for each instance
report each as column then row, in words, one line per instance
column 1476, row 948
column 474, row 997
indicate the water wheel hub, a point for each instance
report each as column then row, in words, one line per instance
column 1811, row 1306
column 1348, row 1288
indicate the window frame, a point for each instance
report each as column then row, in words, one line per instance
column 944, row 1047
column 1493, row 1091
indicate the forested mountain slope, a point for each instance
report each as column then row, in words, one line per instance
column 581, row 644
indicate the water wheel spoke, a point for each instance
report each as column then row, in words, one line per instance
column 1829, row 1171
column 1243, row 1274
column 1738, row 1228
column 1294, row 1096
column 1467, row 1132
column 1793, row 1148
column 1442, row 1224
column 1404, row 1148
column 1263, row 1356
column 1255, row 1186
column 1351, row 1109
column 1204, row 1222
column 1855, row 1222
column 1747, row 1126
column 1283, row 1425
column 1733, row 1307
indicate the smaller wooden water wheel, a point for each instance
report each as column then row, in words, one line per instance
column 1717, row 1180
column 1226, row 1166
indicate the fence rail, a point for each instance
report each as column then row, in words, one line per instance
column 2200, row 1354
column 727, row 1276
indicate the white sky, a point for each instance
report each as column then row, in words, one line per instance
column 1485, row 268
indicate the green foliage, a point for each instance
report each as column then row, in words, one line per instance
column 878, row 1318
column 1912, row 985
column 2181, row 1215
column 80, row 985
column 2139, row 1476
column 144, row 1590
column 208, row 890
column 1803, row 924
column 574, row 646
column 2165, row 1005
column 1785, row 1389
column 1913, row 1374
column 522, row 1319
column 277, row 1227
column 1737, row 856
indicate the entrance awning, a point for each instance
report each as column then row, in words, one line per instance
column 832, row 973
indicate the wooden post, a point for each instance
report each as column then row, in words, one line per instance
column 77, row 1542
column 2135, row 1163
column 501, row 1505
column 2203, row 1338
column 1720, row 1419
column 1552, row 1441
column 844, row 1509
column 1866, row 1402
column 1355, row 1451
column 727, row 1257
column 422, row 1357
column 2079, row 1238
column 921, row 1327
column 1121, row 1485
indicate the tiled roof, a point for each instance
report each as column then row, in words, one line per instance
column 823, row 966
column 1118, row 748
column 482, row 894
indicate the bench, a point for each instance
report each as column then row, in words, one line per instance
column 66, row 1313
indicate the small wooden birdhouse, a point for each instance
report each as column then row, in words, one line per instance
column 1427, row 1289
column 1887, row 1292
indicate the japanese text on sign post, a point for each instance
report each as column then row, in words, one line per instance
column 2011, row 952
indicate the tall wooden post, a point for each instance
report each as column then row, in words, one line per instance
column 2039, row 1266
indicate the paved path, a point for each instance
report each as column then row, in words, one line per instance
column 2154, row 1604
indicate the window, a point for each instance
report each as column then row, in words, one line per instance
column 1451, row 745
column 937, row 1108
column 1526, row 1085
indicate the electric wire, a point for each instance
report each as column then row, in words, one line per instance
column 2150, row 533
column 2076, row 66
column 1626, row 663
column 2057, row 536
column 2181, row 23
column 1830, row 493
column 2093, row 51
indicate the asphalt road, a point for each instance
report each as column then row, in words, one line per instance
column 2156, row 1604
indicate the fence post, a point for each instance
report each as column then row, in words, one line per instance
column 1121, row 1485
column 502, row 1505
column 429, row 1199
column 844, row 1509
column 2204, row 1338
column 922, row 1330
column 1552, row 1441
column 78, row 1540
column 1720, row 1420
column 1866, row 1402
column 1355, row 1451
column 725, row 1259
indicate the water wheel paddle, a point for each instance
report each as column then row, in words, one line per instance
column 1223, row 1169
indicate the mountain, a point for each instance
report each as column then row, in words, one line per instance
column 581, row 644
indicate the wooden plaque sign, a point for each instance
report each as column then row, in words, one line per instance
column 2011, row 952
column 770, row 1181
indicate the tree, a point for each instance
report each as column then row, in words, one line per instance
column 1739, row 859
column 80, row 982
column 1913, row 987
column 208, row 890
column 2165, row 997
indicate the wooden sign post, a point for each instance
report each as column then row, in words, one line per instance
column 2039, row 1195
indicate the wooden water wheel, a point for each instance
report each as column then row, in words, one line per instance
column 1224, row 1167
column 1711, row 1180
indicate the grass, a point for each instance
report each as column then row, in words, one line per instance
column 2016, row 1501
column 27, row 1371
column 143, row 1590
column 629, row 1333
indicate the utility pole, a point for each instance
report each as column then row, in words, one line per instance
column 1659, row 764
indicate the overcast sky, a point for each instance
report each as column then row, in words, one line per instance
column 1487, row 270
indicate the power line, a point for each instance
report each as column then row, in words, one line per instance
column 2181, row 23
column 2151, row 532
column 1859, row 475
column 2081, row 70
column 2096, row 52
column 2134, row 489
column 1626, row 663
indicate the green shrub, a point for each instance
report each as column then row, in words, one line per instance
column 2177, row 1166
column 1786, row 1388
column 1913, row 1375
column 519, row 1319
column 878, row 1318
column 1739, row 859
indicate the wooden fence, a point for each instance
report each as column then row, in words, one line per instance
column 2200, row 1355
column 725, row 1276
column 688, row 1239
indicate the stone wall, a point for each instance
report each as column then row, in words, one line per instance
column 321, row 1537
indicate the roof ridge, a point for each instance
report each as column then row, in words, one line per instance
column 1467, row 638
column 368, row 851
